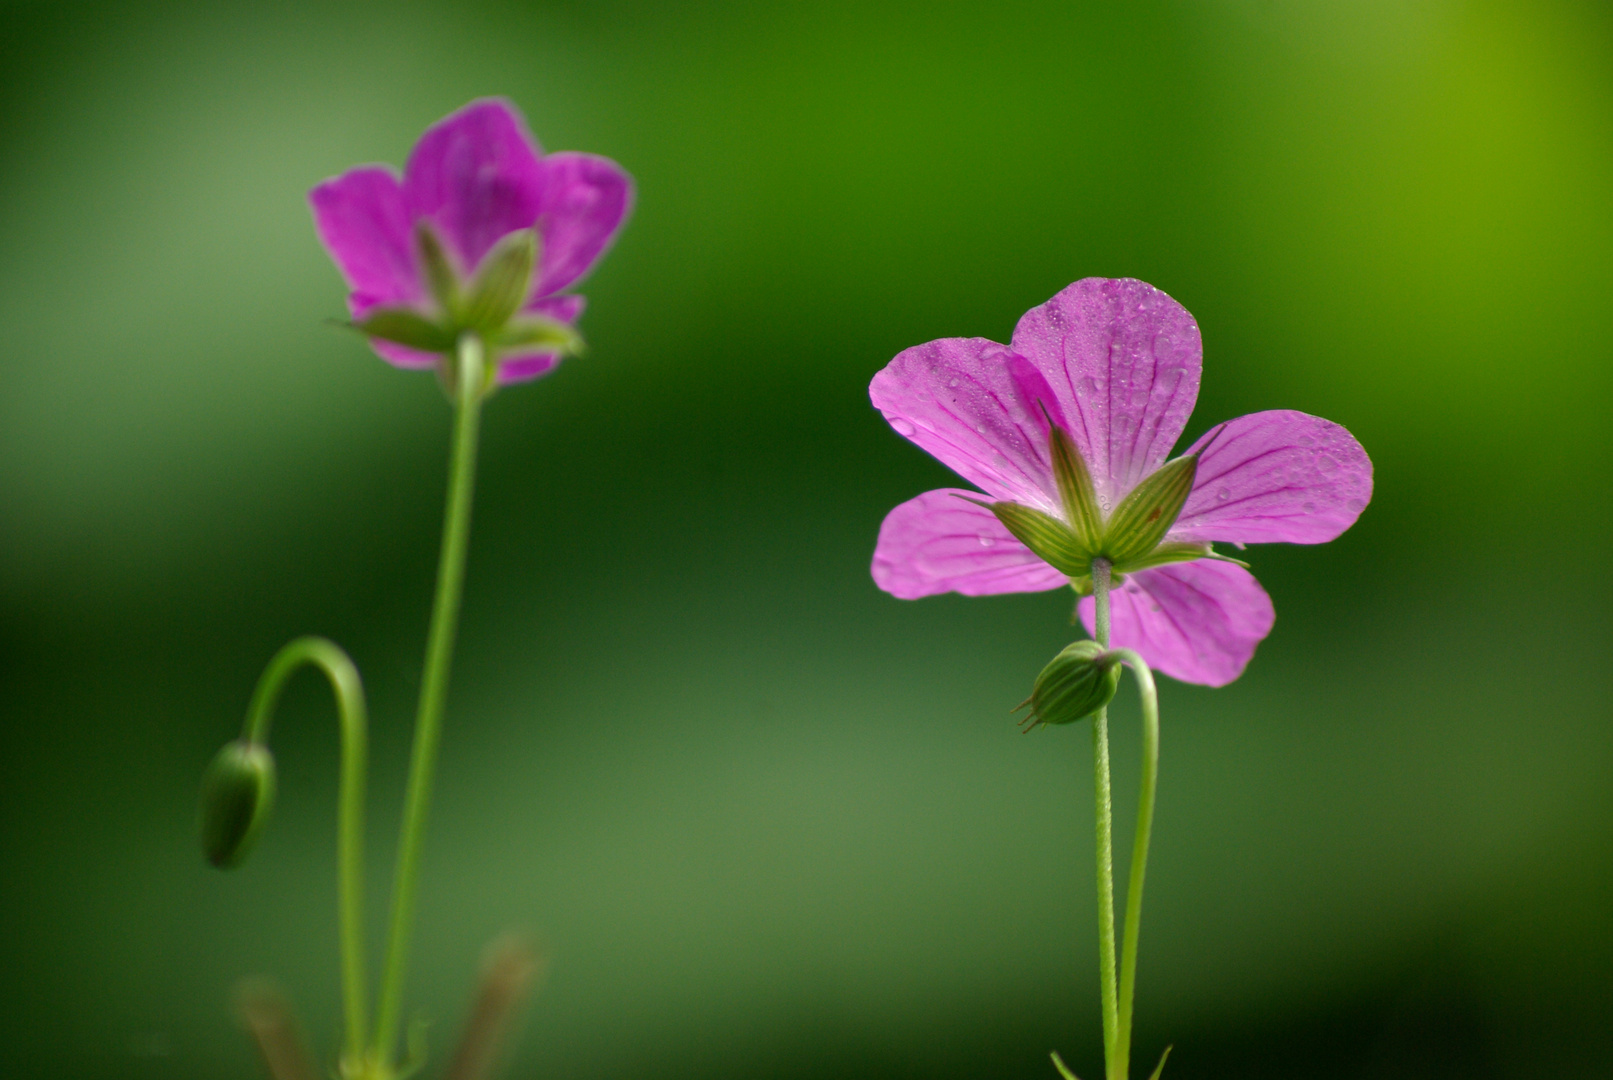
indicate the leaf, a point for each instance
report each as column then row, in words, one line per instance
column 1143, row 518
column 1161, row 1066
column 408, row 328
column 501, row 284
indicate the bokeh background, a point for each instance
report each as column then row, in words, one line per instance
column 765, row 819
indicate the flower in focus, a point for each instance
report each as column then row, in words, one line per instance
column 1067, row 431
column 481, row 233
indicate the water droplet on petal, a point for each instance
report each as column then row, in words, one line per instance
column 987, row 541
column 1306, row 440
column 1224, row 493
column 903, row 428
column 1310, row 508
column 1355, row 505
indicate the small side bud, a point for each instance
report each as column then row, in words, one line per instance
column 237, row 792
column 1075, row 684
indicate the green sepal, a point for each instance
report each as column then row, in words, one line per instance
column 440, row 275
column 1143, row 518
column 1161, row 1066
column 408, row 328
column 1083, row 585
column 1076, row 683
column 1045, row 535
column 237, row 794
column 538, row 332
column 501, row 284
column 1076, row 490
column 1166, row 553
column 1064, row 1070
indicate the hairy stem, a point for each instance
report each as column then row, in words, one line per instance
column 1139, row 847
column 349, row 691
column 1113, row 1053
column 468, row 380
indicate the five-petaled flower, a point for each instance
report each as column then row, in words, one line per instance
column 481, row 233
column 1067, row 431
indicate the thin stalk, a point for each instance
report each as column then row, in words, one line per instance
column 1139, row 847
column 349, row 691
column 469, row 380
column 1113, row 1051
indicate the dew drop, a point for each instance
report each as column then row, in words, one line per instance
column 952, row 382
column 1224, row 493
column 1310, row 508
column 1306, row 440
column 987, row 541
column 903, row 428
column 1355, row 505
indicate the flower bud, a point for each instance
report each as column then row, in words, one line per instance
column 1075, row 684
column 237, row 792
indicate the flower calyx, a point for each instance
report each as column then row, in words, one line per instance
column 487, row 305
column 1076, row 683
column 1132, row 538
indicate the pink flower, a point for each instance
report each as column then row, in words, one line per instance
column 1109, row 370
column 477, row 197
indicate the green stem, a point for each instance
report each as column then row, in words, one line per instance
column 469, row 382
column 1139, row 849
column 349, row 691
column 1113, row 1052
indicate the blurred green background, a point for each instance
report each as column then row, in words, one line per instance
column 766, row 819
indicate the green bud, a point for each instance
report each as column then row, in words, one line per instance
column 1075, row 684
column 1143, row 518
column 237, row 792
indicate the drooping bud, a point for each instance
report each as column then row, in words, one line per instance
column 237, row 793
column 1076, row 683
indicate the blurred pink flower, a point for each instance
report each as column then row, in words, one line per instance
column 474, row 177
column 1114, row 363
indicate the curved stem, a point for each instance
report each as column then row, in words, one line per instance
column 1113, row 1049
column 469, row 383
column 349, row 691
column 1139, row 847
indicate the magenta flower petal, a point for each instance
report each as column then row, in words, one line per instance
column 1198, row 622
column 958, row 399
column 477, row 176
column 585, row 199
column 939, row 543
column 565, row 308
column 1124, row 360
column 362, row 220
column 1276, row 476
